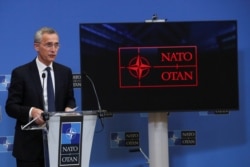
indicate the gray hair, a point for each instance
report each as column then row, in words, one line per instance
column 41, row 31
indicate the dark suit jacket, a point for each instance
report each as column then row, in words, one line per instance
column 26, row 91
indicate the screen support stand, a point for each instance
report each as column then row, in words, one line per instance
column 158, row 139
column 158, row 129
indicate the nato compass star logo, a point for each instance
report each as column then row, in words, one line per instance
column 117, row 139
column 174, row 138
column 71, row 133
column 6, row 143
column 4, row 82
column 139, row 67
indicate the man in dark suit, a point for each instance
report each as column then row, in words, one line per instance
column 27, row 98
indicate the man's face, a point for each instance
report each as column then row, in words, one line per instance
column 48, row 47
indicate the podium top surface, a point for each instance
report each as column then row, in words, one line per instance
column 75, row 113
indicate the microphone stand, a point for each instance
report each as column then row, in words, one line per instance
column 142, row 152
column 24, row 127
column 45, row 132
column 45, row 116
column 100, row 112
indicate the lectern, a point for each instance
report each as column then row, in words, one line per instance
column 70, row 136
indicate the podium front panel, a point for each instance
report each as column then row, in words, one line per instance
column 70, row 139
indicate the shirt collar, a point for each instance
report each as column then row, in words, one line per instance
column 42, row 66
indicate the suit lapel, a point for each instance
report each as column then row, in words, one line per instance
column 37, row 82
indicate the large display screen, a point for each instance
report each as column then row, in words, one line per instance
column 159, row 66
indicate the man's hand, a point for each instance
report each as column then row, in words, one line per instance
column 37, row 113
column 68, row 109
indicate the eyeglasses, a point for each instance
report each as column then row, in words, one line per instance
column 50, row 45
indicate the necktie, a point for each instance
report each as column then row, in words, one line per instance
column 50, row 91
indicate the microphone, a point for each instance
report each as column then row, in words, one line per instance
column 45, row 114
column 43, row 76
column 100, row 113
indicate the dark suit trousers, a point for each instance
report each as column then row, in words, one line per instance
column 20, row 163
